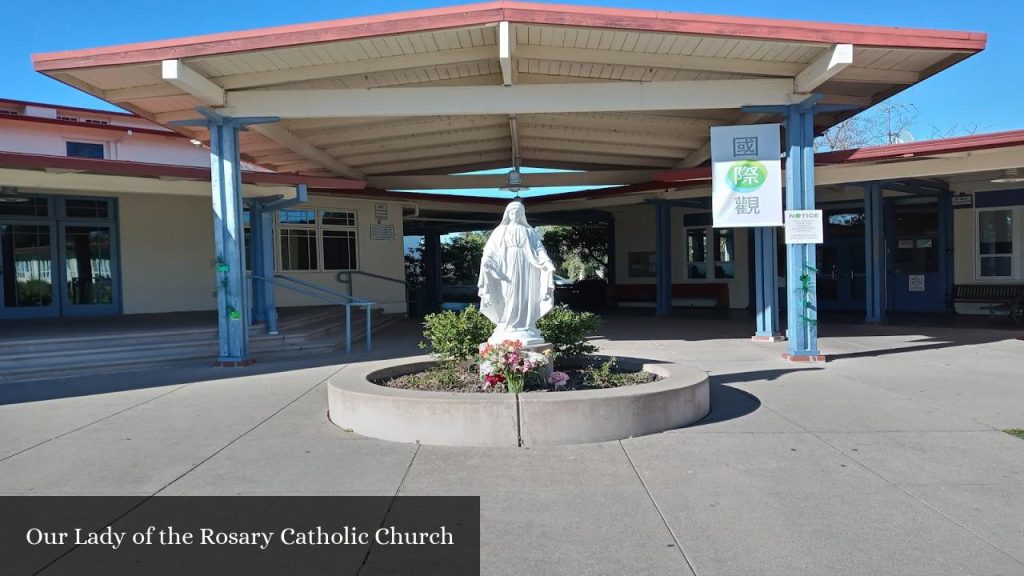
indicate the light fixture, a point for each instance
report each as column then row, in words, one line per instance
column 9, row 195
column 1009, row 176
column 514, row 181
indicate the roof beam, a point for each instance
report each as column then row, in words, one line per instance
column 695, row 158
column 535, row 180
column 447, row 162
column 582, row 157
column 506, row 53
column 315, row 72
column 282, row 136
column 663, row 61
column 357, row 68
column 578, row 145
column 192, row 82
column 824, row 67
column 655, row 140
column 517, row 99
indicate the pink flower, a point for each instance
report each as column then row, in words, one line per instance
column 558, row 379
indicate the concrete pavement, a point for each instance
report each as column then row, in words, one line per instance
column 889, row 459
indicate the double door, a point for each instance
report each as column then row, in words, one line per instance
column 58, row 268
column 841, row 277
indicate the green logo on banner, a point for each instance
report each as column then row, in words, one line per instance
column 746, row 176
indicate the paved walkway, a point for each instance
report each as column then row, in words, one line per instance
column 887, row 460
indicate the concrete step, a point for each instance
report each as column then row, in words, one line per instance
column 120, row 352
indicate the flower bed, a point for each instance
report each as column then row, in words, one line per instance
column 357, row 402
column 594, row 373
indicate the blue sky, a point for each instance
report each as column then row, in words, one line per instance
column 985, row 91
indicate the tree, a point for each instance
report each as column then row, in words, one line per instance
column 887, row 124
column 579, row 251
column 460, row 260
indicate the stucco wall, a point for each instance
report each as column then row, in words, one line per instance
column 37, row 138
column 167, row 254
column 963, row 246
column 634, row 232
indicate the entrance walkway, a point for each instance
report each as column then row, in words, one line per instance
column 889, row 459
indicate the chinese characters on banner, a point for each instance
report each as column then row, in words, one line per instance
column 746, row 176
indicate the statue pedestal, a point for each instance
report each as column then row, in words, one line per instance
column 539, row 349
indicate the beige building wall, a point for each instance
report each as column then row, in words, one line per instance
column 634, row 232
column 167, row 254
column 963, row 246
column 380, row 257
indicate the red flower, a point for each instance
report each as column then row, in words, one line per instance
column 494, row 379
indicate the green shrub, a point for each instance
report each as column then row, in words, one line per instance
column 456, row 336
column 568, row 330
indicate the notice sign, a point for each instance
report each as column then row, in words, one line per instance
column 915, row 282
column 746, row 176
column 382, row 231
column 804, row 227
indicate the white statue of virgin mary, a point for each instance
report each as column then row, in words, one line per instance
column 516, row 284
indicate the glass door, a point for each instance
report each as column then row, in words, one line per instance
column 915, row 277
column 89, row 268
column 27, row 274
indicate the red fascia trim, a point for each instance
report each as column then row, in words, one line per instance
column 418, row 196
column 924, row 147
column 892, row 151
column 87, row 126
column 21, row 161
column 74, row 108
column 519, row 12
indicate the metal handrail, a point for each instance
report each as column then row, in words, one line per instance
column 349, row 273
column 330, row 296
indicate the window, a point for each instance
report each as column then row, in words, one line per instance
column 725, row 253
column 697, row 253
column 77, row 208
column 86, row 149
column 25, row 206
column 311, row 240
column 710, row 252
column 338, row 238
column 247, row 237
column 298, row 249
column 999, row 243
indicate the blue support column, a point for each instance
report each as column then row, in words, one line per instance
column 945, row 247
column 766, row 292
column 801, row 291
column 233, row 307
column 663, row 258
column 233, row 310
column 432, row 268
column 259, row 308
column 874, row 253
column 266, row 259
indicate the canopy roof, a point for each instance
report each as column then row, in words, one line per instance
column 436, row 92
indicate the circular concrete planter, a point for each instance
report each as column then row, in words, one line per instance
column 680, row 398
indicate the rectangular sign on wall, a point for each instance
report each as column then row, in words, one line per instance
column 746, row 176
column 805, row 227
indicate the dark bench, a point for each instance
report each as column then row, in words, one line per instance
column 1002, row 300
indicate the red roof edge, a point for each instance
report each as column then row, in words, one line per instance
column 18, row 160
column 519, row 12
column 75, row 108
column 887, row 152
column 159, row 131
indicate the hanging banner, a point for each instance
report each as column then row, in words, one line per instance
column 746, row 176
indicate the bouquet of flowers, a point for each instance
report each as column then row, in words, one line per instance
column 508, row 364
